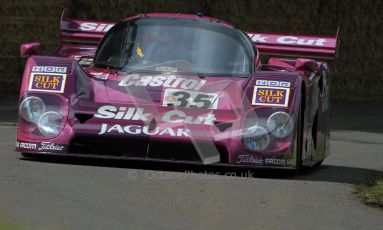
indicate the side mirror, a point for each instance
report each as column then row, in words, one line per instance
column 302, row 64
column 29, row 49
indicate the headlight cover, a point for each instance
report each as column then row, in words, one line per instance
column 280, row 124
column 31, row 109
column 256, row 139
column 50, row 123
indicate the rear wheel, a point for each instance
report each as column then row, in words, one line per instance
column 298, row 139
column 319, row 163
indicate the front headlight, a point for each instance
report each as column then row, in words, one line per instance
column 280, row 124
column 31, row 109
column 51, row 123
column 256, row 138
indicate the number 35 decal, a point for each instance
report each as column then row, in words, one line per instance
column 187, row 98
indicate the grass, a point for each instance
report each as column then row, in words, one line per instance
column 9, row 226
column 7, row 223
column 371, row 193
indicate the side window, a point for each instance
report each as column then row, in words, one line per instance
column 112, row 49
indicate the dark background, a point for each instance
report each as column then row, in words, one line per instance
column 359, row 66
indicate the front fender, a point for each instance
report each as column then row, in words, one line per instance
column 50, row 75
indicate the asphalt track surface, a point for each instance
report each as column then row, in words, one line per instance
column 78, row 194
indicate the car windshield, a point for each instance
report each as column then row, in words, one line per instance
column 175, row 45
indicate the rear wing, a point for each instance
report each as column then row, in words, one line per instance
column 296, row 45
column 82, row 31
column 79, row 38
column 89, row 34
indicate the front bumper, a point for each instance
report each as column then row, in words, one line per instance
column 83, row 140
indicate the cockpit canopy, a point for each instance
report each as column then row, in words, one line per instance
column 180, row 45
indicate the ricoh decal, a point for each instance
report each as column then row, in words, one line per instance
column 271, row 96
column 146, row 130
column 49, row 69
column 47, row 82
column 273, row 161
column 135, row 114
column 188, row 98
column 169, row 81
column 273, row 83
column 26, row 145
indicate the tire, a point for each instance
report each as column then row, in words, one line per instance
column 319, row 163
column 298, row 139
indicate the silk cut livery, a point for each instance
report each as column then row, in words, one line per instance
column 164, row 95
column 49, row 82
column 272, row 96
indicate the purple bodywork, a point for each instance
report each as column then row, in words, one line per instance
column 106, row 113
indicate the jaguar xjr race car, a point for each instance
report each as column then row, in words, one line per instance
column 177, row 88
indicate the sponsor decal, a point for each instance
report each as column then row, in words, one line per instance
column 146, row 130
column 245, row 159
column 271, row 96
column 258, row 38
column 187, row 98
column 47, row 82
column 272, row 161
column 249, row 159
column 124, row 113
column 169, row 81
column 166, row 69
column 102, row 77
column 43, row 146
column 135, row 114
column 95, row 27
column 49, row 69
column 288, row 40
column 48, row 146
column 26, row 145
column 84, row 61
column 177, row 116
column 273, row 83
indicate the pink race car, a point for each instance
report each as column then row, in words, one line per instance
column 177, row 88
